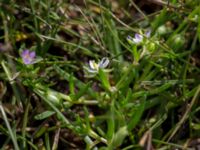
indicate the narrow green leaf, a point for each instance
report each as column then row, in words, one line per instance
column 118, row 137
column 111, row 122
column 71, row 84
column 40, row 131
column 136, row 55
column 160, row 89
column 104, row 79
column 44, row 115
column 126, row 78
column 82, row 91
column 137, row 114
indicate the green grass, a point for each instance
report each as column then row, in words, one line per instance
column 70, row 98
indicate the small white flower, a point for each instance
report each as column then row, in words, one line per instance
column 138, row 38
column 94, row 67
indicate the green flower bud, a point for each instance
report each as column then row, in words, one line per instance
column 163, row 30
column 177, row 42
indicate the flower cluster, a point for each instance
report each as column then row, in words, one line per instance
column 145, row 46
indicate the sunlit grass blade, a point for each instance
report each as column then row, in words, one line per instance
column 10, row 131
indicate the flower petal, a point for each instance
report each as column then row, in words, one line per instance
column 148, row 33
column 32, row 54
column 93, row 65
column 25, row 52
column 27, row 61
column 138, row 38
column 129, row 37
column 104, row 62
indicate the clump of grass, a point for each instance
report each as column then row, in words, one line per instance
column 87, row 75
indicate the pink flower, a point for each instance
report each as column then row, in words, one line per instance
column 28, row 56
